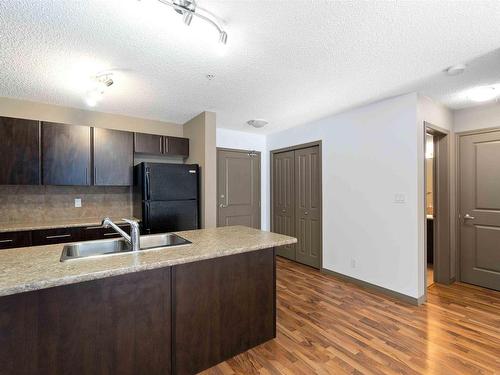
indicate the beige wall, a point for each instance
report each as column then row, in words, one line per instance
column 47, row 112
column 202, row 135
column 476, row 118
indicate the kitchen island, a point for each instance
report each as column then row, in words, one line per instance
column 174, row 310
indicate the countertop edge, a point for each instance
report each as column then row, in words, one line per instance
column 97, row 275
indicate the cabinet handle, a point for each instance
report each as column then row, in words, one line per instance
column 161, row 145
column 306, row 213
column 283, row 211
column 58, row 236
column 5, row 241
column 86, row 176
column 89, row 228
column 112, row 234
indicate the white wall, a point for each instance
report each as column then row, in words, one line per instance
column 480, row 117
column 369, row 154
column 247, row 141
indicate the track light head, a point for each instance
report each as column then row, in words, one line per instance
column 188, row 17
column 223, row 37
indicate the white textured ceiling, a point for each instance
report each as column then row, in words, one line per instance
column 286, row 61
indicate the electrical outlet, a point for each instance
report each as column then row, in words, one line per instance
column 78, row 202
column 353, row 263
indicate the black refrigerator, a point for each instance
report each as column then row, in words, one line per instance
column 166, row 197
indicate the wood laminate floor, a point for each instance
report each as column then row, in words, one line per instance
column 328, row 326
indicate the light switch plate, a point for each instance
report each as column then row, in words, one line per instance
column 78, row 202
column 400, row 198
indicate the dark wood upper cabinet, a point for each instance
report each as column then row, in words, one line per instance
column 65, row 154
column 20, row 150
column 148, row 143
column 160, row 145
column 113, row 157
column 176, row 146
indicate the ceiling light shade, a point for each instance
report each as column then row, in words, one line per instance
column 455, row 70
column 483, row 93
column 257, row 123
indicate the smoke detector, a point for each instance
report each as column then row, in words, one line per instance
column 257, row 123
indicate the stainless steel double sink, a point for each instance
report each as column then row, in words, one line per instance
column 100, row 248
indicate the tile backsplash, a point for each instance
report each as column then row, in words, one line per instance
column 28, row 204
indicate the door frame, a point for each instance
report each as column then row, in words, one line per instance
column 441, row 200
column 318, row 143
column 458, row 193
column 217, row 180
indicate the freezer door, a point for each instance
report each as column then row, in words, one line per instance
column 171, row 182
column 171, row 216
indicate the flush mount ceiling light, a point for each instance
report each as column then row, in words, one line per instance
column 483, row 93
column 257, row 123
column 100, row 83
column 188, row 9
column 455, row 70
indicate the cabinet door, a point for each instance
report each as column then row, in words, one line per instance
column 66, row 154
column 176, row 146
column 113, row 157
column 15, row 239
column 20, row 150
column 57, row 235
column 148, row 143
column 100, row 233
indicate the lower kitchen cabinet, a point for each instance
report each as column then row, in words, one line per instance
column 39, row 237
column 173, row 320
column 57, row 235
column 10, row 240
column 116, row 325
column 222, row 307
column 100, row 233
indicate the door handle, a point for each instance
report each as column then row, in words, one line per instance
column 222, row 205
column 468, row 217
column 306, row 213
column 283, row 211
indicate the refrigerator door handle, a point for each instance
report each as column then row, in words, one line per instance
column 148, row 193
column 146, row 217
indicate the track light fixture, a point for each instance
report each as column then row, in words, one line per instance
column 188, row 9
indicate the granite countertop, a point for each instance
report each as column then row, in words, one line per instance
column 33, row 268
column 86, row 222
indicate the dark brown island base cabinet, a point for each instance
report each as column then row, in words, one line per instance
column 113, row 157
column 65, row 154
column 19, row 151
column 173, row 320
column 160, row 145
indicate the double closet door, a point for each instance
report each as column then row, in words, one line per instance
column 296, row 194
